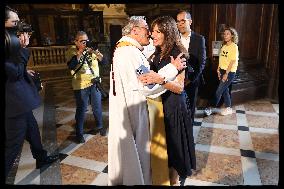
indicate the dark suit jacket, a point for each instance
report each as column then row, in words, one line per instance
column 21, row 95
column 197, row 52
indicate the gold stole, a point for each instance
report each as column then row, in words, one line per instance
column 118, row 44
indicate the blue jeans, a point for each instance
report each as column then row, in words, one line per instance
column 82, row 100
column 223, row 89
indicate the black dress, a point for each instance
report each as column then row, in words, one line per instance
column 179, row 130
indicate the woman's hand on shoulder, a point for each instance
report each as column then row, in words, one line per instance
column 179, row 63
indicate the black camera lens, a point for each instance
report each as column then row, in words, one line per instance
column 92, row 44
column 24, row 27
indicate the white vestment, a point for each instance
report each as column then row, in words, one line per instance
column 128, row 138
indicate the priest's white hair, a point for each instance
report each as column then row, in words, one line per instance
column 133, row 21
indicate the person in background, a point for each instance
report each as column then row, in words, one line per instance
column 21, row 97
column 11, row 21
column 228, row 64
column 84, row 65
column 46, row 40
column 195, row 44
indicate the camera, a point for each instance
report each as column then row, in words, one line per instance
column 92, row 44
column 23, row 27
column 97, row 81
column 89, row 45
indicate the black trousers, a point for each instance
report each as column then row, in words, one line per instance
column 192, row 91
column 18, row 129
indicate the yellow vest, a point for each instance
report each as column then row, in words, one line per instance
column 82, row 79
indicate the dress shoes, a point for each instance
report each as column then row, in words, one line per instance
column 47, row 160
column 103, row 131
column 80, row 139
column 182, row 181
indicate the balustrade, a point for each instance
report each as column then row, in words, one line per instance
column 45, row 56
column 51, row 62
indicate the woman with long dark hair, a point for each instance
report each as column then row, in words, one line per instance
column 177, row 115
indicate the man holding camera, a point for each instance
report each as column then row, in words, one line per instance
column 21, row 97
column 84, row 65
column 11, row 21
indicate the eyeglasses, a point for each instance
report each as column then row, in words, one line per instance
column 145, row 27
column 181, row 21
column 83, row 42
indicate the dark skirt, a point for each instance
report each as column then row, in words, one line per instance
column 179, row 135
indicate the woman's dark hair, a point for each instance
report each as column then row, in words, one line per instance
column 167, row 26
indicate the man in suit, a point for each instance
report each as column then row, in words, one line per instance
column 21, row 97
column 195, row 44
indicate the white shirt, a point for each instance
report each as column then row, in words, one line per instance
column 149, row 49
column 185, row 40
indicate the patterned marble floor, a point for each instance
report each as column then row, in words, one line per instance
column 238, row 149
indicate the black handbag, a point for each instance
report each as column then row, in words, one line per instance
column 37, row 81
column 97, row 82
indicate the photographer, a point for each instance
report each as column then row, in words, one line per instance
column 83, row 63
column 21, row 97
column 12, row 21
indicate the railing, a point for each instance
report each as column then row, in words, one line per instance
column 53, row 58
column 45, row 56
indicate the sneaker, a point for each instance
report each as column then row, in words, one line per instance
column 226, row 111
column 208, row 111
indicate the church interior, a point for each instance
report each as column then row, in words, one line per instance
column 238, row 149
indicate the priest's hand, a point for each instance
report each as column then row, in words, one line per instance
column 150, row 78
column 179, row 63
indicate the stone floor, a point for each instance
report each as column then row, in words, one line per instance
column 238, row 149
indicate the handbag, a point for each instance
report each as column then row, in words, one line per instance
column 37, row 81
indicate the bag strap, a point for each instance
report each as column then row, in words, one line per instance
column 92, row 71
column 79, row 66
